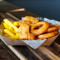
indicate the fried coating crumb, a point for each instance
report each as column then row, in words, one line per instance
column 30, row 19
column 24, row 32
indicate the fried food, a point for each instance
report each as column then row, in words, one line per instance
column 27, row 22
column 5, row 25
column 42, row 27
column 24, row 32
column 30, row 19
column 27, row 36
column 2, row 26
column 11, row 25
column 11, row 29
column 6, row 35
column 31, row 36
column 48, row 35
column 24, row 28
column 14, row 37
column 52, row 29
column 29, row 28
column 57, row 26
column 16, row 23
column 9, row 32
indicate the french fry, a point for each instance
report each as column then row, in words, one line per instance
column 11, row 25
column 18, row 34
column 9, row 32
column 14, row 37
column 5, row 25
column 16, row 23
column 11, row 29
column 6, row 35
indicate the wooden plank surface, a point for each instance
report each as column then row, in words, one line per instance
column 6, row 7
column 6, row 53
column 42, row 53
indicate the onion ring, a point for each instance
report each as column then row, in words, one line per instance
column 40, row 30
column 48, row 35
column 53, row 28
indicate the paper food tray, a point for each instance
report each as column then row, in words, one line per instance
column 36, row 43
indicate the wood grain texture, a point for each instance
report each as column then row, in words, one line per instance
column 6, row 53
column 16, row 10
column 55, row 48
column 26, row 52
column 48, row 53
column 42, row 53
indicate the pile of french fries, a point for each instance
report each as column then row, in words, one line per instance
column 10, row 29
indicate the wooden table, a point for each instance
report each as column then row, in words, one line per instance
column 26, row 53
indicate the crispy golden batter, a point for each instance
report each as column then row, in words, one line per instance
column 24, row 32
column 24, row 28
column 30, row 19
column 53, row 28
column 27, row 22
column 48, row 35
column 30, row 36
column 29, row 28
column 41, row 29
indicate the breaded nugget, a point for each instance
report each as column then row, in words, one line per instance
column 24, row 32
column 31, row 36
column 27, row 22
column 30, row 19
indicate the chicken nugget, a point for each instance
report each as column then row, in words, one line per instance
column 23, row 30
column 30, row 19
column 27, row 22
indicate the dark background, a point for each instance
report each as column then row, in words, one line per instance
column 44, row 8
